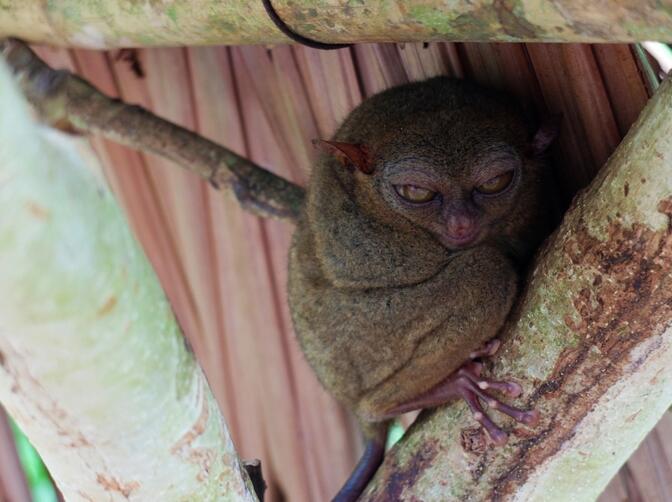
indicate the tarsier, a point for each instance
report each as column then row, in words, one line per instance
column 419, row 219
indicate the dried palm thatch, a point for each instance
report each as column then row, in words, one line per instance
column 224, row 271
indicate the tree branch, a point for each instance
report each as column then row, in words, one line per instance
column 68, row 102
column 591, row 342
column 113, row 23
column 93, row 366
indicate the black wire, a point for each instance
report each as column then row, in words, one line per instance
column 277, row 20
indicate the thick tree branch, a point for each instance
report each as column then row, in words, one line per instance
column 93, row 366
column 68, row 102
column 591, row 343
column 116, row 23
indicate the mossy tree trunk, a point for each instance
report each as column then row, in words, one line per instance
column 116, row 23
column 93, row 366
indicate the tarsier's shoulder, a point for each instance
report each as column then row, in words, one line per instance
column 436, row 89
column 404, row 105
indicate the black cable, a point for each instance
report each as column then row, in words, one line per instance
column 277, row 20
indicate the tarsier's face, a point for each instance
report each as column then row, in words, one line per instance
column 462, row 164
column 460, row 205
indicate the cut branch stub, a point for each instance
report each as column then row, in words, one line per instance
column 590, row 342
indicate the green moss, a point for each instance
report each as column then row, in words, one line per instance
column 307, row 28
column 479, row 23
column 303, row 3
column 431, row 17
column 635, row 30
column 71, row 12
column 171, row 12
column 145, row 39
column 227, row 26
column 665, row 7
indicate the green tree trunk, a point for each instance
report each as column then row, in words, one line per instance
column 93, row 366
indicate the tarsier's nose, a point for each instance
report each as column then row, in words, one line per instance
column 460, row 227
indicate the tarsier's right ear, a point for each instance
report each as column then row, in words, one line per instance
column 348, row 154
column 546, row 134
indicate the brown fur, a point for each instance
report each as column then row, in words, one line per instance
column 383, row 308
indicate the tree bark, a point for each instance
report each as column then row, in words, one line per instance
column 113, row 23
column 591, row 343
column 93, row 366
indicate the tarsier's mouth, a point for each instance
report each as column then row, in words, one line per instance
column 462, row 240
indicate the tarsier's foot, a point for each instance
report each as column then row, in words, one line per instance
column 466, row 383
column 470, row 386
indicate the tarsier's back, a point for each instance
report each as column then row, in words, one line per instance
column 419, row 217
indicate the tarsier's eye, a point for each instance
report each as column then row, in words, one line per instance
column 411, row 193
column 496, row 184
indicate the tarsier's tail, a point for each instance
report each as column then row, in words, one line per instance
column 375, row 435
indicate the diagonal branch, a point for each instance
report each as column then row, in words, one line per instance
column 71, row 103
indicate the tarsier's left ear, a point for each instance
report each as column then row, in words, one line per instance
column 348, row 154
column 545, row 135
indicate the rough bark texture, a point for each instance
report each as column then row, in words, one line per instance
column 591, row 344
column 93, row 366
column 115, row 23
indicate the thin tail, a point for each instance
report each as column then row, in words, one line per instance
column 375, row 435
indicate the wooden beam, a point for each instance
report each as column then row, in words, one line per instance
column 116, row 23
